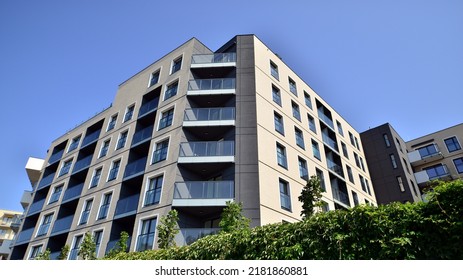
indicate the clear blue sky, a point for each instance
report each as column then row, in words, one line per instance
column 396, row 61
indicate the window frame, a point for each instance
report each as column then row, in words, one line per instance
column 299, row 135
column 123, row 136
column 156, row 189
column 94, row 175
column 285, row 193
column 110, row 177
column 274, row 70
column 278, row 123
column 103, row 203
column 455, row 142
column 292, row 86
column 74, row 143
column 156, row 150
column 170, row 118
column 84, row 209
column 459, row 171
column 295, row 110
column 140, row 231
column 176, row 61
column 303, row 169
column 282, row 158
column 112, row 122
column 129, row 111
column 65, row 167
column 54, row 194
column 169, row 88
column 104, row 148
column 308, row 100
column 276, row 95
column 152, row 75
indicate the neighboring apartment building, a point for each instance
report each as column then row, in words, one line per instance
column 7, row 223
column 390, row 169
column 190, row 132
column 401, row 171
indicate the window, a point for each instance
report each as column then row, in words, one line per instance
column 292, row 86
column 296, row 112
column 154, row 78
column 279, row 127
column 114, row 170
column 122, row 140
column 299, row 137
column 145, row 239
column 74, row 253
column 357, row 160
column 316, row 150
column 112, row 122
column 303, row 172
column 401, row 184
column 393, row 161
column 458, row 164
column 160, row 153
column 368, row 186
column 36, row 250
column 65, row 168
column 428, row 150
column 153, row 192
column 276, row 95
column 361, row 164
column 398, row 144
column 171, row 90
column 357, row 143
column 436, row 171
column 74, row 144
column 350, row 174
column 129, row 113
column 367, row 202
column 46, row 221
column 104, row 148
column 312, row 123
column 340, row 130
column 97, row 237
column 321, row 177
column 386, row 140
column 104, row 208
column 452, row 144
column 281, row 156
column 285, row 198
column 56, row 194
column 86, row 212
column 166, row 119
column 351, row 137
column 355, row 198
column 308, row 100
column 96, row 178
column 344, row 150
column 362, row 182
column 274, row 70
column 176, row 65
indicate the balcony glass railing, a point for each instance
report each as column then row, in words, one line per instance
column 55, row 157
column 186, row 236
column 145, row 242
column 213, row 58
column 335, row 167
column 62, row 224
column 330, row 142
column 142, row 135
column 113, row 243
column 127, row 204
column 209, row 114
column 36, row 207
column 428, row 151
column 436, row 172
column 46, row 181
column 325, row 118
column 207, row 149
column 204, row 190
column 73, row 254
column 341, row 197
column 211, row 84
column 82, row 164
column 135, row 167
column 25, row 235
column 73, row 192
column 148, row 107
column 90, row 138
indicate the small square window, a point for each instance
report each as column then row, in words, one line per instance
column 56, row 194
column 171, row 90
column 458, row 164
column 154, row 78
column 35, row 252
column 46, row 222
column 176, row 65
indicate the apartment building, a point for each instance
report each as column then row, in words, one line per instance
column 7, row 223
column 190, row 132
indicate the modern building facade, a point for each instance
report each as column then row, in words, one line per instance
column 190, row 132
column 8, row 220
column 390, row 169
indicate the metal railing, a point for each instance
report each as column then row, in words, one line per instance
column 213, row 58
column 204, row 190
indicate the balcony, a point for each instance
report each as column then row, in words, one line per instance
column 16, row 223
column 113, row 243
column 36, row 207
column 211, row 86
column 82, row 164
column 62, row 225
column 46, row 181
column 425, row 155
column 126, row 206
column 334, row 167
column 72, row 192
column 209, row 117
column 203, row 193
column 330, row 142
column 437, row 172
column 55, row 157
column 326, row 119
column 26, row 199
column 90, row 138
column 135, row 168
column 186, row 236
column 148, row 107
column 341, row 197
column 207, row 152
column 24, row 236
column 142, row 135
column 213, row 60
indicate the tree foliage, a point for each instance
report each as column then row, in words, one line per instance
column 45, row 255
column 430, row 230
column 88, row 247
column 232, row 218
column 167, row 229
column 310, row 197
column 121, row 245
column 63, row 255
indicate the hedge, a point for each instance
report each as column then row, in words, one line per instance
column 424, row 230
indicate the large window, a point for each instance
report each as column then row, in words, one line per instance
column 104, row 208
column 276, row 95
column 274, row 70
column 65, row 168
column 154, row 78
column 436, row 171
column 321, row 177
column 312, row 123
column 316, row 150
column 299, row 137
column 104, row 148
column 452, row 144
column 458, row 164
column 279, row 127
column 160, row 153
column 153, row 192
column 296, row 112
column 56, row 194
column 45, row 225
column 86, row 212
column 303, row 171
column 114, row 170
column 344, row 150
column 176, row 65
column 350, row 174
column 145, row 239
column 171, row 90
column 428, row 150
column 95, row 178
column 74, row 253
column 285, row 197
column 281, row 156
column 122, row 140
column 292, row 86
column 129, row 113
column 97, row 237
column 166, row 119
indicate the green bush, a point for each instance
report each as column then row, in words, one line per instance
column 431, row 230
